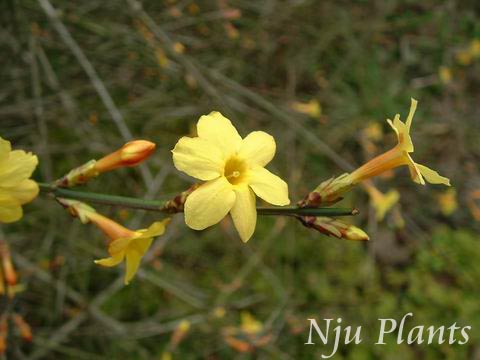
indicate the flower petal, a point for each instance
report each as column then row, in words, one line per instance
column 24, row 192
column 156, row 229
column 141, row 245
column 403, row 134
column 10, row 213
column 209, row 204
column 111, row 261
column 198, row 158
column 268, row 186
column 244, row 212
column 218, row 130
column 258, row 148
column 18, row 167
column 432, row 176
column 133, row 262
column 5, row 148
column 415, row 173
column 413, row 107
column 120, row 245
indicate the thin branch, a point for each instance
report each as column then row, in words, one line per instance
column 158, row 205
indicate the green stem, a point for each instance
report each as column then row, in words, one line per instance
column 157, row 205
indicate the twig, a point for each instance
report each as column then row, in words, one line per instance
column 158, row 205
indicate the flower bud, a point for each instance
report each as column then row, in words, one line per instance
column 328, row 192
column 130, row 154
column 7, row 266
column 334, row 228
column 23, row 327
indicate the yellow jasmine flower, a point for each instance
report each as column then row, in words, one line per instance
column 399, row 156
column 233, row 169
column 126, row 244
column 16, row 187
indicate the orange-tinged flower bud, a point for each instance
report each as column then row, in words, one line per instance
column 130, row 154
column 23, row 327
column 7, row 266
column 334, row 228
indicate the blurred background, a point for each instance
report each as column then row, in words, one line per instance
column 79, row 78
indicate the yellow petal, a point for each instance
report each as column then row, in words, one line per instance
column 403, row 134
column 156, row 229
column 141, row 245
column 413, row 107
column 268, row 186
column 111, row 261
column 10, row 213
column 415, row 173
column 5, row 149
column 432, row 176
column 209, row 204
column 258, row 148
column 218, row 130
column 119, row 245
column 133, row 262
column 19, row 166
column 198, row 158
column 244, row 212
column 24, row 192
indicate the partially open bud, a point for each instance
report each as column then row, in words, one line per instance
column 130, row 154
column 328, row 192
column 334, row 228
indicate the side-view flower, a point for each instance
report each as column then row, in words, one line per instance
column 16, row 187
column 234, row 172
column 124, row 244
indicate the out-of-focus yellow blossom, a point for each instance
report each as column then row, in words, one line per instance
column 179, row 48
column 233, row 169
column 250, row 325
column 311, row 108
column 445, row 74
column 399, row 156
column 464, row 57
column 16, row 187
column 448, row 202
column 382, row 203
column 475, row 48
column 125, row 244
column 373, row 132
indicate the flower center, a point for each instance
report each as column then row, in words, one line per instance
column 235, row 170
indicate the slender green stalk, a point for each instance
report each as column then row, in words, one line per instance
column 158, row 205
